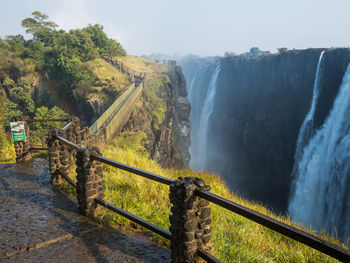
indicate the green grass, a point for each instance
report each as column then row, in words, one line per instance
column 109, row 82
column 7, row 151
column 107, row 75
column 234, row 238
column 139, row 64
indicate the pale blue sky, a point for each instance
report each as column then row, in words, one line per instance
column 199, row 27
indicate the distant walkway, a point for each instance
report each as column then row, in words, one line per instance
column 38, row 223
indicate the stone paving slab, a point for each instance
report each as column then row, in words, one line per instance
column 38, row 223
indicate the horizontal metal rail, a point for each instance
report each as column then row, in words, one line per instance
column 135, row 219
column 67, row 126
column 133, row 170
column 84, row 130
column 68, row 179
column 207, row 257
column 109, row 114
column 47, row 120
column 68, row 143
column 286, row 230
column 301, row 236
column 38, row 148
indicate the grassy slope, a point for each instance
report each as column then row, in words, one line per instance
column 235, row 239
column 139, row 64
column 107, row 74
column 108, row 80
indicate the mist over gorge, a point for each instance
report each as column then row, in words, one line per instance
column 247, row 114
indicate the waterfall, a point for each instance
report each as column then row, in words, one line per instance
column 207, row 109
column 322, row 186
column 306, row 129
column 190, row 90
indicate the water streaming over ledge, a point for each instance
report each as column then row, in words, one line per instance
column 306, row 129
column 199, row 150
column 322, row 185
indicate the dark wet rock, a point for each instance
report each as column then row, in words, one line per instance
column 38, row 223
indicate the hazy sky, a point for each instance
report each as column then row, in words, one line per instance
column 199, row 27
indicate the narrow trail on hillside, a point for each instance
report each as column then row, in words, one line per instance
column 38, row 223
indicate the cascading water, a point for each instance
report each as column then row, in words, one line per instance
column 322, row 185
column 306, row 129
column 198, row 149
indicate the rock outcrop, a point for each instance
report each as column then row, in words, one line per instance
column 169, row 140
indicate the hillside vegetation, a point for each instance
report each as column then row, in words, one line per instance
column 56, row 72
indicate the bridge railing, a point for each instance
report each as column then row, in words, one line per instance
column 123, row 113
column 112, row 120
column 130, row 73
column 190, row 197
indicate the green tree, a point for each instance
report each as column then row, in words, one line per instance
column 99, row 37
column 23, row 100
column 37, row 23
column 46, row 113
column 282, row 50
column 80, row 41
column 105, row 46
column 6, row 146
column 16, row 44
column 254, row 51
column 115, row 49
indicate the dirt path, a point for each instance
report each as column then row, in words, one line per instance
column 39, row 224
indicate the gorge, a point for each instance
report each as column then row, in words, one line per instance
column 275, row 126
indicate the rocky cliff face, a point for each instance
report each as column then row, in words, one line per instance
column 259, row 106
column 168, row 136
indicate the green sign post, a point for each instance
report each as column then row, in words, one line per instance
column 18, row 131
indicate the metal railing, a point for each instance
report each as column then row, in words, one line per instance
column 117, row 114
column 273, row 224
column 43, row 138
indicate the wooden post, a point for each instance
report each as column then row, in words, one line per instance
column 190, row 219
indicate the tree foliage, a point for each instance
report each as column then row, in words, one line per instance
column 53, row 54
column 37, row 23
column 46, row 113
column 282, row 50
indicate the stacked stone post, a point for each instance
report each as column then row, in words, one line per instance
column 85, row 136
column 89, row 180
column 74, row 131
column 190, row 219
column 59, row 157
column 22, row 148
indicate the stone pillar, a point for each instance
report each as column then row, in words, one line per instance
column 73, row 132
column 85, row 136
column 59, row 158
column 89, row 180
column 190, row 219
column 23, row 148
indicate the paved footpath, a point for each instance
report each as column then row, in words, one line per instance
column 38, row 223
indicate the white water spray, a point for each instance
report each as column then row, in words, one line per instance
column 199, row 161
column 306, row 128
column 322, row 185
